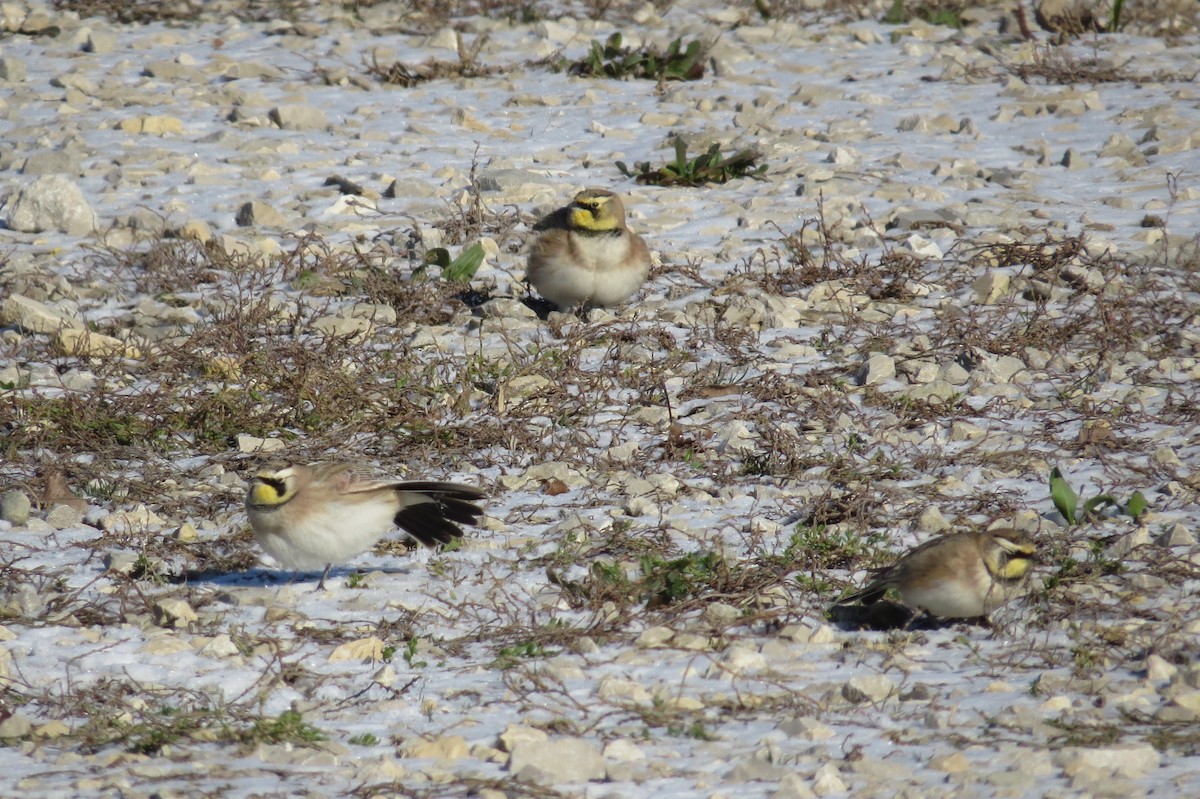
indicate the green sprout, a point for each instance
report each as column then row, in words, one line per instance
column 462, row 268
column 709, row 167
column 611, row 60
column 1066, row 501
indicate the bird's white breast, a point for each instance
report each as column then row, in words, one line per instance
column 596, row 273
column 332, row 534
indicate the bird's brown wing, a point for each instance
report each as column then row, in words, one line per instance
column 429, row 510
column 559, row 219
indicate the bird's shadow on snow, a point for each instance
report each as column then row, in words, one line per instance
column 885, row 615
column 877, row 616
column 266, row 577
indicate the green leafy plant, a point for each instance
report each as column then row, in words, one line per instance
column 661, row 581
column 364, row 739
column 666, row 582
column 288, row 727
column 1136, row 506
column 170, row 725
column 817, row 547
column 410, row 654
column 460, row 269
column 709, row 167
column 1114, row 20
column 612, row 60
column 1101, row 561
column 509, row 656
column 1066, row 501
column 938, row 12
column 696, row 730
column 148, row 569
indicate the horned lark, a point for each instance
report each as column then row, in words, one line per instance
column 585, row 255
column 309, row 517
column 961, row 575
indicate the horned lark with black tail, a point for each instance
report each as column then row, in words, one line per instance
column 311, row 517
column 585, row 255
column 956, row 576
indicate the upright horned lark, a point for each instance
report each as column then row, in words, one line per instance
column 585, row 255
column 309, row 517
column 961, row 575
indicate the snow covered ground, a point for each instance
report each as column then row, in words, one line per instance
column 949, row 281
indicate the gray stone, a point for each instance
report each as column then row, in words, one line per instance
column 120, row 562
column 1159, row 669
column 12, row 70
column 173, row 70
column 254, row 213
column 557, row 761
column 720, row 614
column 990, row 287
column 377, row 313
column 15, row 727
column 1188, row 700
column 445, row 747
column 100, row 42
column 828, row 781
column 137, row 518
column 931, row 520
column 1120, row 760
column 515, row 734
column 352, row 326
column 806, row 728
column 147, row 220
column 248, row 443
column 173, row 613
column 251, row 69
column 52, row 202
column 1129, row 542
column 74, row 342
column 623, row 750
column 755, row 770
column 1010, row 178
column 923, row 219
column 953, row 374
column 1001, row 369
column 15, row 507
column 298, row 117
column 738, row 659
column 1119, row 145
column 62, row 517
column 506, row 307
column 868, row 688
column 877, row 368
column 32, row 316
column 37, row 22
column 1177, row 535
column 1176, row 714
column 1071, row 160
column 51, row 162
column 793, row 786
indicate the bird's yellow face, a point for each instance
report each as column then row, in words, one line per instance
column 593, row 212
column 1011, row 558
column 271, row 488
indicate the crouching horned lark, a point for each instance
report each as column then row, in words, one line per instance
column 309, row 517
column 585, row 255
column 961, row 575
